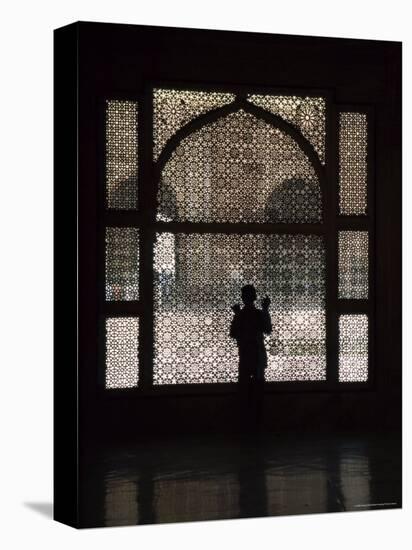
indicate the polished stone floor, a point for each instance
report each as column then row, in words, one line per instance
column 221, row 477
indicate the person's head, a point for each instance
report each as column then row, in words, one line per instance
column 248, row 294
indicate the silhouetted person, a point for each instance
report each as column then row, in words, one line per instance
column 248, row 326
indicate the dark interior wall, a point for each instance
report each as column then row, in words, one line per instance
column 310, row 412
column 119, row 60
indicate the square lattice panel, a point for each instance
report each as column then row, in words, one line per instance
column 198, row 278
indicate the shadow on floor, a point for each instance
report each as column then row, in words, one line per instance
column 45, row 509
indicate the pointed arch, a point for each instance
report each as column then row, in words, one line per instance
column 226, row 163
column 241, row 104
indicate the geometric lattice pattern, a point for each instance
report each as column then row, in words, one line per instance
column 122, row 346
column 308, row 114
column 353, row 143
column 121, row 154
column 353, row 348
column 353, row 264
column 122, row 263
column 195, row 292
column 172, row 109
column 236, row 169
column 239, row 169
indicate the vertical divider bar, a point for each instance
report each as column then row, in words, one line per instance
column 101, row 236
column 370, row 182
column 331, row 237
column 147, row 202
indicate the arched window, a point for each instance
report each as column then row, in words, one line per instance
column 240, row 169
column 227, row 170
column 243, row 188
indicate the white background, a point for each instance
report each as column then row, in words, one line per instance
column 26, row 271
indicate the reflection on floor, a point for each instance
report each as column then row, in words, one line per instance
column 220, row 477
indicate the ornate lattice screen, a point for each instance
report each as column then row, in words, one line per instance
column 172, row 109
column 121, row 155
column 354, row 248
column 239, row 169
column 353, row 346
column 233, row 169
column 308, row 114
column 353, row 169
column 122, row 263
column 122, row 352
column 194, row 294
column 353, row 264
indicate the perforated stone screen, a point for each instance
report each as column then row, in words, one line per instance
column 121, row 155
column 353, row 168
column 236, row 169
column 172, row 109
column 122, row 352
column 122, row 263
column 353, row 264
column 194, row 294
column 353, row 348
column 239, row 169
column 308, row 114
